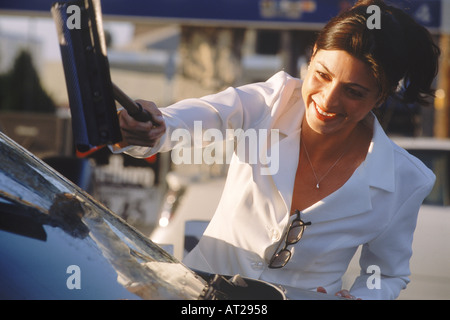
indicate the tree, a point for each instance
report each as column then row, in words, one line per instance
column 21, row 89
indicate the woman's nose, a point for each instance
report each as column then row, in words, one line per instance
column 330, row 97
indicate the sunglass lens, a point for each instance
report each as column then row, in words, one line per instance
column 295, row 233
column 280, row 259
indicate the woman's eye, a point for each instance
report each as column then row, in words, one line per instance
column 355, row 93
column 323, row 75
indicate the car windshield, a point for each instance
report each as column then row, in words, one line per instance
column 47, row 224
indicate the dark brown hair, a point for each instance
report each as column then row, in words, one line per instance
column 400, row 49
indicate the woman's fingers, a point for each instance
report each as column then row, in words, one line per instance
column 343, row 293
column 142, row 133
column 154, row 111
column 321, row 290
column 346, row 294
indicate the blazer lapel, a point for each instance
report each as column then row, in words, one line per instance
column 288, row 149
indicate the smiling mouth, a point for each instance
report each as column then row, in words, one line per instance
column 323, row 113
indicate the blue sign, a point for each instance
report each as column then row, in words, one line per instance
column 427, row 13
column 270, row 13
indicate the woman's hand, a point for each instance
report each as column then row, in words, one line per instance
column 343, row 293
column 142, row 133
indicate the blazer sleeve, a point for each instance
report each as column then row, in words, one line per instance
column 234, row 108
column 384, row 261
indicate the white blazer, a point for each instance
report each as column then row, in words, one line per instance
column 376, row 208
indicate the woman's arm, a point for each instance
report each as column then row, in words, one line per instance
column 387, row 257
column 234, row 108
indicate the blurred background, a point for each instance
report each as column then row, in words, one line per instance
column 164, row 51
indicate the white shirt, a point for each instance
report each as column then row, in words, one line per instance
column 377, row 207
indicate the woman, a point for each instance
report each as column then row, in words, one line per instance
column 340, row 182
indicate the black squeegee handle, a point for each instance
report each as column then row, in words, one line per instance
column 133, row 108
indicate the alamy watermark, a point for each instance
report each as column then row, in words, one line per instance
column 74, row 18
column 210, row 146
column 74, row 280
column 374, row 21
column 374, row 280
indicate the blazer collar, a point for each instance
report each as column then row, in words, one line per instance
column 379, row 163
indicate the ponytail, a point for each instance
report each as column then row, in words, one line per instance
column 422, row 60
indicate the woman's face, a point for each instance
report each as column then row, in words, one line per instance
column 338, row 91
